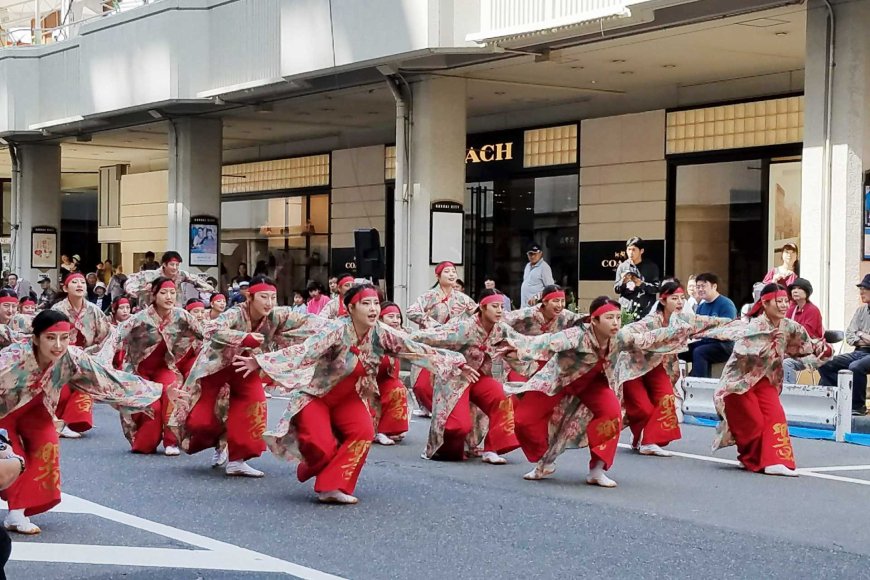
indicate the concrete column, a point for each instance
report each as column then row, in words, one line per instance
column 36, row 201
column 437, row 167
column 195, row 158
column 832, row 238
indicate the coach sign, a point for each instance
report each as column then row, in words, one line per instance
column 598, row 261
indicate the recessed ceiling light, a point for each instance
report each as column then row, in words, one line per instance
column 499, row 93
column 627, row 72
column 782, row 33
column 669, row 66
column 618, row 60
column 578, row 67
column 594, row 82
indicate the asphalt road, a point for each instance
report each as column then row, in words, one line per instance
column 675, row 517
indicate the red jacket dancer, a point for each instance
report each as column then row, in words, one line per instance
column 331, row 383
column 391, row 423
column 647, row 367
column 32, row 375
column 199, row 408
column 748, row 395
column 154, row 341
column 90, row 328
column 571, row 401
column 435, row 307
column 480, row 339
column 548, row 316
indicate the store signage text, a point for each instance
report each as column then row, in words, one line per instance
column 614, row 262
column 490, row 152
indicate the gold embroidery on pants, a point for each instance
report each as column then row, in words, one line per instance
column 48, row 457
column 84, row 404
column 783, row 442
column 398, row 405
column 506, row 412
column 607, row 430
column 256, row 413
column 668, row 407
column 355, row 453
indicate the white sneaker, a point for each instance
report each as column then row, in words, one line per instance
column 16, row 521
column 600, row 479
column 68, row 433
column 268, row 395
column 421, row 413
column 382, row 439
column 336, row 497
column 652, row 449
column 171, row 451
column 493, row 458
column 220, row 457
column 741, row 466
column 780, row 469
column 540, row 472
column 241, row 468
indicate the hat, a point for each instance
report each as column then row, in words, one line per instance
column 100, row 285
column 803, row 284
column 865, row 283
column 533, row 248
column 43, row 278
column 76, row 258
column 244, row 284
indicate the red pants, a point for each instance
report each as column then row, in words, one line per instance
column 650, row 407
column 152, row 430
column 246, row 418
column 76, row 409
column 758, row 422
column 336, row 464
column 33, row 436
column 534, row 410
column 394, row 406
column 488, row 394
column 515, row 377
column 424, row 390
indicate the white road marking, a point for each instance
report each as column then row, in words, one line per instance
column 214, row 555
column 803, row 472
column 838, row 468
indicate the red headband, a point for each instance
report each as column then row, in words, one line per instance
column 28, row 302
column 757, row 307
column 677, row 291
column 261, row 287
column 492, row 298
column 194, row 305
column 220, row 297
column 391, row 309
column 344, row 280
column 8, row 300
column 440, row 267
column 121, row 302
column 171, row 260
column 72, row 277
column 604, row 309
column 62, row 326
column 167, row 284
column 553, row 296
column 362, row 294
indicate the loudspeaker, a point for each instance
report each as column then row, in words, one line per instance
column 367, row 250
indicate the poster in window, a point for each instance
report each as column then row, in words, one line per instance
column 784, row 225
column 43, row 244
column 446, row 229
column 204, row 241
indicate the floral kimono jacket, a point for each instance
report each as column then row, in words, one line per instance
column 139, row 284
column 310, row 370
column 17, row 330
column 570, row 418
column 222, row 341
column 140, row 335
column 759, row 349
column 21, row 381
column 467, row 336
column 90, row 325
column 333, row 309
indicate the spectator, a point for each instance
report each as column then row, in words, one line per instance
column 316, row 298
column 242, row 295
column 299, row 303
column 115, row 287
column 66, row 266
column 637, row 280
column 21, row 286
column 807, row 315
column 489, row 284
column 857, row 361
column 459, row 285
column 536, row 276
column 786, row 273
column 333, row 287
column 105, row 272
column 217, row 305
column 150, row 262
column 692, row 302
column 708, row 351
column 242, row 275
column 47, row 296
column 92, row 280
column 100, row 300
column 571, row 300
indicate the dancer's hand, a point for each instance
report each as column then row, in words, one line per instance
column 246, row 365
column 470, row 374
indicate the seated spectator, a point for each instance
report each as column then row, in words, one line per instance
column 241, row 295
column 100, row 300
column 857, row 361
column 692, row 301
column 786, row 273
column 299, row 303
column 807, row 315
column 708, row 351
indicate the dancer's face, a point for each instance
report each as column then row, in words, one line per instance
column 198, row 313
column 393, row 319
column 52, row 345
column 218, row 304
column 165, row 299
column 77, row 287
column 448, row 276
column 262, row 303
column 492, row 312
column 608, row 323
column 366, row 311
column 7, row 311
column 775, row 309
column 122, row 313
column 675, row 303
column 170, row 269
column 553, row 308
column 28, row 309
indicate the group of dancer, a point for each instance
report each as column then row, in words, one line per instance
column 193, row 377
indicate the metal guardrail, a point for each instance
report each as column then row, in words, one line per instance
column 811, row 405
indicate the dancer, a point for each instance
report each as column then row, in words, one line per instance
column 200, row 407
column 154, row 340
column 549, row 315
column 217, row 305
column 647, row 367
column 90, row 329
column 31, row 377
column 572, row 402
column 329, row 380
column 433, row 308
column 335, row 308
column 392, row 421
column 121, row 309
column 748, row 394
column 138, row 284
column 27, row 306
column 482, row 338
column 14, row 327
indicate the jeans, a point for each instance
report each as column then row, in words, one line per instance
column 705, row 353
column 790, row 368
column 859, row 363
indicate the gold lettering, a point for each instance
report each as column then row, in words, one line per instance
column 490, row 152
column 504, row 151
column 472, row 156
column 486, row 153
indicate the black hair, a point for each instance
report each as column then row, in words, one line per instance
column 636, row 242
column 385, row 303
column 223, row 294
column 23, row 299
column 8, row 293
column 157, row 283
column 117, row 300
column 488, row 277
column 667, row 287
column 768, row 288
column 149, row 254
column 170, row 255
column 708, row 277
column 550, row 288
column 459, row 282
column 488, row 292
column 314, row 285
column 45, row 320
column 354, row 290
column 601, row 301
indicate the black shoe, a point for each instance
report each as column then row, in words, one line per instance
column 859, row 412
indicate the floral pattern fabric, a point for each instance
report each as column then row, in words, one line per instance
column 139, row 284
column 90, row 325
column 434, row 307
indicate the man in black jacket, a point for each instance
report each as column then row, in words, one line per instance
column 637, row 280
